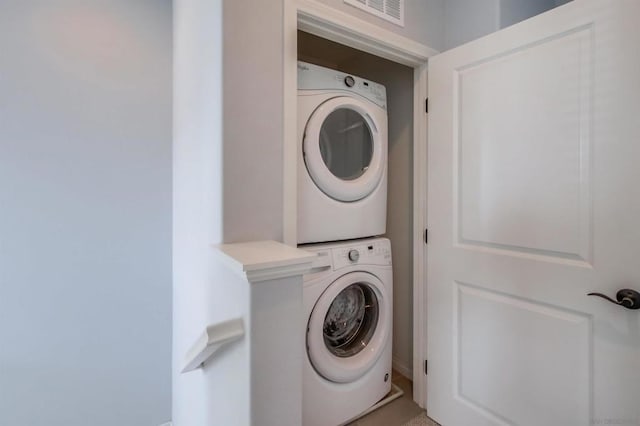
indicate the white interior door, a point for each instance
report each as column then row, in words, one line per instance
column 534, row 201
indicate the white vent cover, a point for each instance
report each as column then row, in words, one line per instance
column 391, row 10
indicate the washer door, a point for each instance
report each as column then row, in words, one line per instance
column 348, row 327
column 344, row 151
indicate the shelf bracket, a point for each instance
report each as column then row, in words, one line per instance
column 210, row 341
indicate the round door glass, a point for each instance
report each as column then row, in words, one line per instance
column 351, row 320
column 346, row 144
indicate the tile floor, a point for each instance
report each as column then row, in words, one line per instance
column 397, row 412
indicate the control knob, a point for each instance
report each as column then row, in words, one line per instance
column 349, row 81
column 354, row 255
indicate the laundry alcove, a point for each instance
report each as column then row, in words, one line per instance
column 398, row 81
column 319, row 34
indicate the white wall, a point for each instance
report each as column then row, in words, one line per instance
column 423, row 20
column 252, row 59
column 204, row 291
column 85, row 212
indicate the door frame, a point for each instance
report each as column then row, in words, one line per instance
column 318, row 19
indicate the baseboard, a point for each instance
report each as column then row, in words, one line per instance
column 401, row 368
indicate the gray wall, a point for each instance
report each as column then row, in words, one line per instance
column 466, row 20
column 85, row 212
column 422, row 23
column 512, row 11
column 444, row 24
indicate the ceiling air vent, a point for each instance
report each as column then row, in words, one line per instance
column 391, row 10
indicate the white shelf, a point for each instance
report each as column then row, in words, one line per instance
column 265, row 260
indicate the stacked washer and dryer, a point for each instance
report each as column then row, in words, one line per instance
column 342, row 199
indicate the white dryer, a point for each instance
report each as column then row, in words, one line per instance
column 342, row 156
column 348, row 299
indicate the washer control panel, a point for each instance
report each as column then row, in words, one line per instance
column 372, row 252
column 334, row 256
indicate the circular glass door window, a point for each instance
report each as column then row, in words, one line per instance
column 351, row 320
column 346, row 144
column 344, row 147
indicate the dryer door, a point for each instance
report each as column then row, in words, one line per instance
column 349, row 327
column 345, row 148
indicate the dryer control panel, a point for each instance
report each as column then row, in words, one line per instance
column 314, row 77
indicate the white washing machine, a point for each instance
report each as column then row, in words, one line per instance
column 342, row 156
column 348, row 299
